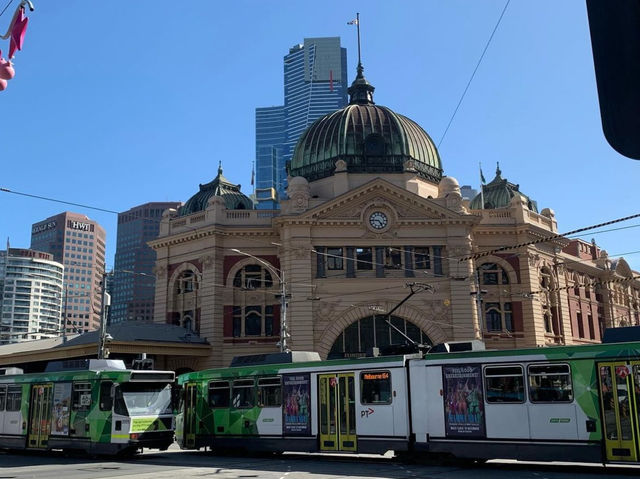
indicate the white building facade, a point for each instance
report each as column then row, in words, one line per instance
column 31, row 295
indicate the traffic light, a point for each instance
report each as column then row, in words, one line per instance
column 615, row 40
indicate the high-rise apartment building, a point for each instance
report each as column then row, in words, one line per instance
column 315, row 83
column 79, row 244
column 133, row 287
column 30, row 295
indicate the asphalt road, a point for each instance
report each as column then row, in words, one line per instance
column 176, row 464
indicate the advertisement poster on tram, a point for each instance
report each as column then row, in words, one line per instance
column 464, row 403
column 60, row 414
column 296, row 394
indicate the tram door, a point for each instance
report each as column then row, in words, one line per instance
column 337, row 412
column 620, row 402
column 40, row 416
column 190, row 398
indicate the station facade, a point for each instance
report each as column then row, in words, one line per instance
column 370, row 219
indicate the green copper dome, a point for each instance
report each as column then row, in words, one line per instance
column 499, row 193
column 368, row 137
column 233, row 198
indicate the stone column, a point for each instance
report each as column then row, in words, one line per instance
column 161, row 296
column 560, row 300
column 297, row 262
column 532, row 317
column 465, row 321
column 211, row 301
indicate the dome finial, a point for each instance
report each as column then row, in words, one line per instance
column 220, row 168
column 498, row 171
column 361, row 91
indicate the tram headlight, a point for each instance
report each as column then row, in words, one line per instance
column 134, row 436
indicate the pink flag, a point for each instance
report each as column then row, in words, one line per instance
column 17, row 33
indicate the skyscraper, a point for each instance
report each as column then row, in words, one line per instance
column 315, row 83
column 79, row 244
column 271, row 136
column 133, row 284
column 30, row 295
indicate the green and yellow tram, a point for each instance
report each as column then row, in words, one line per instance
column 97, row 406
column 567, row 403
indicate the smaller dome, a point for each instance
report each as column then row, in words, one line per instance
column 498, row 194
column 233, row 198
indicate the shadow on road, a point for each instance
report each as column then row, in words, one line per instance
column 293, row 461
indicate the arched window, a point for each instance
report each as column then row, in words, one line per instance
column 253, row 276
column 374, row 331
column 492, row 274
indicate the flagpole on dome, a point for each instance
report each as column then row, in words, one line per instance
column 356, row 22
column 482, row 182
column 253, row 176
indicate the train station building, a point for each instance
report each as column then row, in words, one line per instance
column 372, row 230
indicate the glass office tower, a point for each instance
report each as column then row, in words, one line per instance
column 270, row 167
column 315, row 83
column 133, row 286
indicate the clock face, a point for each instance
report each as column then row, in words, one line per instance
column 378, row 220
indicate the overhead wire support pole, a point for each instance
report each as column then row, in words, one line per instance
column 103, row 352
column 279, row 273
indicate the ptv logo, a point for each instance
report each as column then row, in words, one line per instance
column 366, row 412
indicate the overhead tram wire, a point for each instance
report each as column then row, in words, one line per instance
column 6, row 6
column 7, row 190
column 549, row 238
column 474, row 73
column 373, row 263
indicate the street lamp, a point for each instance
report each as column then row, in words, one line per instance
column 284, row 329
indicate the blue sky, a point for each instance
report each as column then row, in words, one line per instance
column 118, row 103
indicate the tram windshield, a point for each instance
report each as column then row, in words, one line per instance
column 143, row 399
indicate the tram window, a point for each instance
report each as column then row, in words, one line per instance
column 14, row 398
column 375, row 387
column 106, row 399
column 550, row 383
column 3, row 396
column 81, row 398
column 219, row 393
column 504, row 384
column 243, row 393
column 269, row 392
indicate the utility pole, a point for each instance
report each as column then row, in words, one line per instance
column 103, row 352
column 478, row 294
column 64, row 313
column 284, row 327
